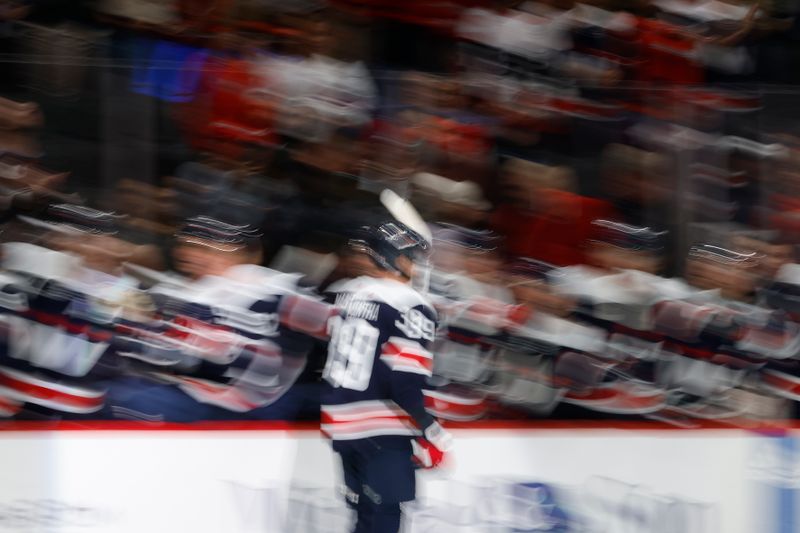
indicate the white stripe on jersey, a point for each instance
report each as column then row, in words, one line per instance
column 58, row 387
column 404, row 355
column 52, row 348
column 363, row 410
column 23, row 387
column 364, row 419
column 370, row 428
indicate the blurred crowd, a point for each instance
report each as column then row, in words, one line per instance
column 613, row 189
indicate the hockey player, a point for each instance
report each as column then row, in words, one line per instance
column 616, row 294
column 373, row 407
column 59, row 307
column 725, row 342
column 228, row 344
column 471, row 302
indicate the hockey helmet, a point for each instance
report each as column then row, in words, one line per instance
column 217, row 234
column 385, row 243
column 628, row 237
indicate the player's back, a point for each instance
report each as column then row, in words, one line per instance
column 377, row 360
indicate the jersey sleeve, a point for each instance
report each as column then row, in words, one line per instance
column 407, row 354
column 306, row 314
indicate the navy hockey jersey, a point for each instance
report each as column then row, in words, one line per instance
column 378, row 360
column 58, row 321
column 238, row 341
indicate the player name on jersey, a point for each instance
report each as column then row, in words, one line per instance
column 357, row 308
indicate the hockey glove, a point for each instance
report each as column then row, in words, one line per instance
column 429, row 450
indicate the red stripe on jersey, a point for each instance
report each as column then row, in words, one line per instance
column 63, row 322
column 410, row 358
column 453, row 407
column 369, row 428
column 95, row 335
column 48, row 319
column 187, row 326
column 395, row 355
column 217, row 394
column 619, row 399
column 735, row 361
column 593, row 395
column 637, row 334
column 635, row 402
column 327, row 418
column 364, row 419
column 9, row 407
column 787, row 384
column 270, row 352
column 81, row 401
column 359, row 411
column 690, row 351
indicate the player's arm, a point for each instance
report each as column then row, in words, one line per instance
column 306, row 314
column 408, row 356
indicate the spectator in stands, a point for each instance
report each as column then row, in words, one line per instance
column 455, row 138
column 532, row 33
column 541, row 218
column 635, row 183
column 390, row 158
column 318, row 93
column 455, row 202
